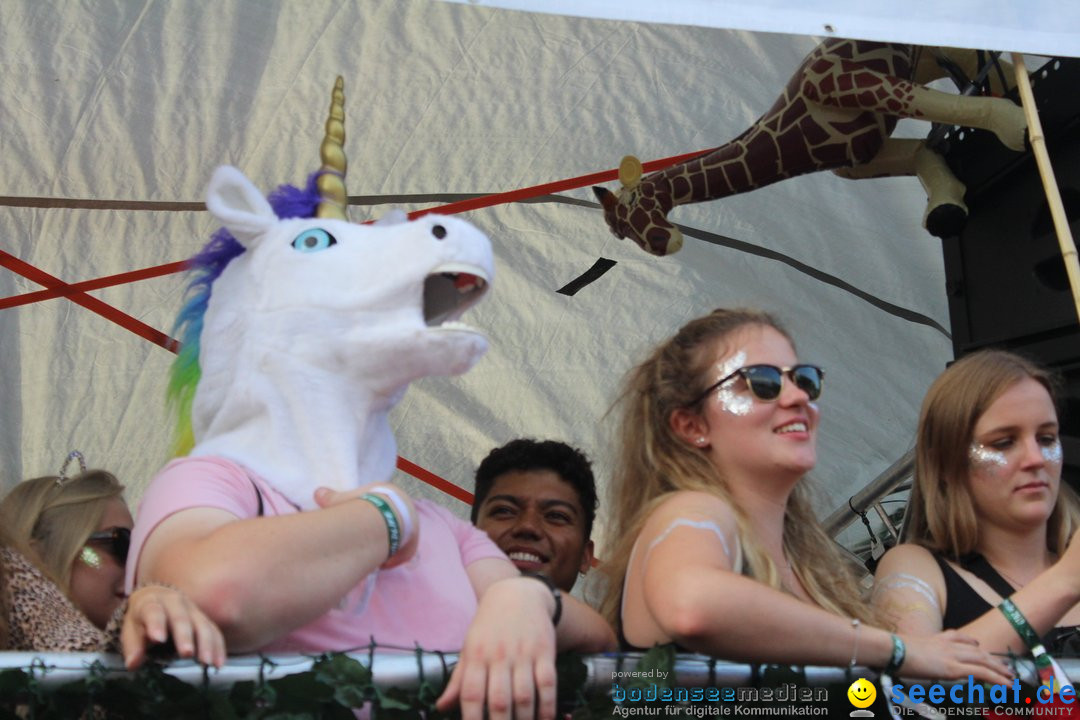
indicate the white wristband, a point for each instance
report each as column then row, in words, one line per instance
column 392, row 495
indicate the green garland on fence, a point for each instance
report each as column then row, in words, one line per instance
column 335, row 685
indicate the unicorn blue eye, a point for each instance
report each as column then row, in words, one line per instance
column 313, row 240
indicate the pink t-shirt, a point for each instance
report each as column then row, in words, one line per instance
column 428, row 601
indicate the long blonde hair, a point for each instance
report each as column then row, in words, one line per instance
column 941, row 514
column 49, row 519
column 653, row 462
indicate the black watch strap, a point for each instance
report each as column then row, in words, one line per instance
column 555, row 593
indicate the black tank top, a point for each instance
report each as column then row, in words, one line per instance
column 964, row 605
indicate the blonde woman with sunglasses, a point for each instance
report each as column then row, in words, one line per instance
column 989, row 518
column 63, row 554
column 713, row 543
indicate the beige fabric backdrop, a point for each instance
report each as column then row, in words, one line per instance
column 140, row 101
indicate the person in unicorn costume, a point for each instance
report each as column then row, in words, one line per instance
column 300, row 335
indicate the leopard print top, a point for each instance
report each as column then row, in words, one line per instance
column 42, row 619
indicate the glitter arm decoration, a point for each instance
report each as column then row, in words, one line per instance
column 900, row 594
column 707, row 525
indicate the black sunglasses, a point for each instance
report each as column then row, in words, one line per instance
column 117, row 541
column 765, row 381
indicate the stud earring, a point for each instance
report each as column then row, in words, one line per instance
column 701, row 441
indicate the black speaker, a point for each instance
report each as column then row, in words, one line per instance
column 1005, row 277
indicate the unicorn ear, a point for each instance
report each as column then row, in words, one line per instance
column 239, row 205
column 393, row 217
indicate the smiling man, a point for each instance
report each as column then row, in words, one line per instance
column 537, row 501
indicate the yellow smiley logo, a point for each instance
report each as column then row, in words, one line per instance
column 862, row 693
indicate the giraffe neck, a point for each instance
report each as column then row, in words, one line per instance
column 788, row 140
column 727, row 170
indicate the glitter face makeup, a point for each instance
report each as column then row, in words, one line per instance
column 729, row 401
column 732, row 364
column 732, row 403
column 90, row 557
column 984, row 458
column 1052, row 453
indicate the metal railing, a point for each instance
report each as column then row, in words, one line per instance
column 408, row 669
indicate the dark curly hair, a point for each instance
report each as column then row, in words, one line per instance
column 525, row 454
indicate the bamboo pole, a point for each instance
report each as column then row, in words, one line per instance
column 1046, row 171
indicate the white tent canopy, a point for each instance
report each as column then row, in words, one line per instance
column 114, row 116
column 1043, row 27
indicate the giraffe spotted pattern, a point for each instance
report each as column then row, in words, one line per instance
column 836, row 113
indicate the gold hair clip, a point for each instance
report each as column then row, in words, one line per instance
column 62, row 478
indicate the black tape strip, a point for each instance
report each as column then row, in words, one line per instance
column 601, row 266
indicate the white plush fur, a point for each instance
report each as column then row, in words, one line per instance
column 304, row 354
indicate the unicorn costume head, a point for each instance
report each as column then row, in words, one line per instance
column 304, row 330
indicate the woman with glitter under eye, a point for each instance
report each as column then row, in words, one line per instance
column 989, row 518
column 62, row 563
column 713, row 543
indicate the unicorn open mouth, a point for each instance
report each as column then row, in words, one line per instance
column 449, row 292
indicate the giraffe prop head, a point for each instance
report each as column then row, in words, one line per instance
column 835, row 113
column 638, row 210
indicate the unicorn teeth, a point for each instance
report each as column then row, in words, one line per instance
column 453, row 325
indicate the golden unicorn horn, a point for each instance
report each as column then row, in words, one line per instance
column 331, row 182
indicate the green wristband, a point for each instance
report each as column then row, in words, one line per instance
column 899, row 652
column 393, row 530
column 1044, row 664
column 1020, row 624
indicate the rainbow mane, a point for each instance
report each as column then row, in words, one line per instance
column 206, row 266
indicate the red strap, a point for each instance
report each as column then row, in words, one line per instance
column 77, row 292
column 90, row 303
column 548, row 188
column 58, row 288
column 63, row 289
column 434, row 480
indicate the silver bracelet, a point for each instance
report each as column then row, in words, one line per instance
column 855, row 648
